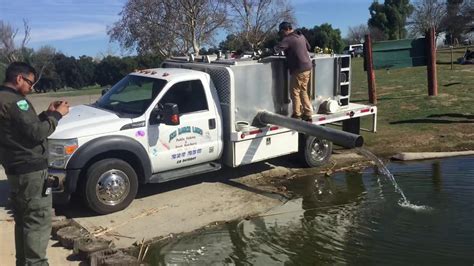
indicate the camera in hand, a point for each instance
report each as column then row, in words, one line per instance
column 57, row 104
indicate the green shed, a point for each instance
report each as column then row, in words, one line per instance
column 399, row 54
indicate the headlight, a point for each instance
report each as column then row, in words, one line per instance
column 60, row 150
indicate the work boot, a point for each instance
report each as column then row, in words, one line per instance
column 296, row 116
column 307, row 118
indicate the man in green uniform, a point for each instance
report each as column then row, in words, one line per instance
column 24, row 156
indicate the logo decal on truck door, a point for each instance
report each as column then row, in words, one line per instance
column 184, row 130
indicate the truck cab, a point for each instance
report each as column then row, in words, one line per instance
column 150, row 122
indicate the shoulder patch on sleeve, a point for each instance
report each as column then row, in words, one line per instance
column 23, row 105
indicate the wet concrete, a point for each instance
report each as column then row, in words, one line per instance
column 178, row 211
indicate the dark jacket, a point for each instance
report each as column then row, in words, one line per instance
column 296, row 49
column 23, row 133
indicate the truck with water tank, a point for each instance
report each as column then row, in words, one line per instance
column 192, row 116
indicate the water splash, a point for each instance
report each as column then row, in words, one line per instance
column 384, row 170
column 417, row 208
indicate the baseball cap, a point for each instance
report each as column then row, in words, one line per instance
column 284, row 26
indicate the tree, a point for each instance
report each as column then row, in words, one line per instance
column 148, row 61
column 42, row 60
column 271, row 41
column 377, row 34
column 427, row 14
column 256, row 20
column 2, row 72
column 390, row 17
column 309, row 34
column 378, row 19
column 166, row 27
column 68, row 71
column 200, row 20
column 87, row 67
column 324, row 36
column 9, row 52
column 234, row 42
column 209, row 51
column 110, row 70
column 357, row 33
column 147, row 26
column 458, row 19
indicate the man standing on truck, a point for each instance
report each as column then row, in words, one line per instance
column 296, row 48
column 24, row 156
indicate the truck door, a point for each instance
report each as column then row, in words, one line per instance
column 195, row 140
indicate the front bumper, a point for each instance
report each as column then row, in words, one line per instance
column 65, row 180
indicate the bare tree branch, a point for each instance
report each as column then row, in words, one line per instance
column 42, row 59
column 356, row 34
column 9, row 52
column 256, row 20
column 26, row 37
column 427, row 14
column 168, row 27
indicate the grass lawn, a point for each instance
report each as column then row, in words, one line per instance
column 409, row 119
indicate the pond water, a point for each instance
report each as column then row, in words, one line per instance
column 349, row 218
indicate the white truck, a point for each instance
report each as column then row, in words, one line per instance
column 190, row 117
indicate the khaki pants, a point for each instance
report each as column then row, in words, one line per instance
column 299, row 94
column 32, row 211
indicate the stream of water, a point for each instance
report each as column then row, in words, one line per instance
column 404, row 202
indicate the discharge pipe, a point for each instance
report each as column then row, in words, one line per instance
column 338, row 137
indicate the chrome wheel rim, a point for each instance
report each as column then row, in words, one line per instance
column 112, row 187
column 319, row 150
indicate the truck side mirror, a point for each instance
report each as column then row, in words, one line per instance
column 169, row 115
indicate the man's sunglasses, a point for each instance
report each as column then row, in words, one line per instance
column 30, row 82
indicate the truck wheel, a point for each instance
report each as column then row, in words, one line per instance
column 111, row 186
column 316, row 152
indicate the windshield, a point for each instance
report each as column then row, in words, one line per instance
column 132, row 95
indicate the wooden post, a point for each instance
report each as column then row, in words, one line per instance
column 431, row 68
column 370, row 69
column 451, row 56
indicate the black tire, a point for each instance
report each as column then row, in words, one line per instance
column 315, row 152
column 110, row 186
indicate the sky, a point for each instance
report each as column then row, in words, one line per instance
column 79, row 27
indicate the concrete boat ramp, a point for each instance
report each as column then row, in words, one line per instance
column 177, row 211
column 160, row 210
